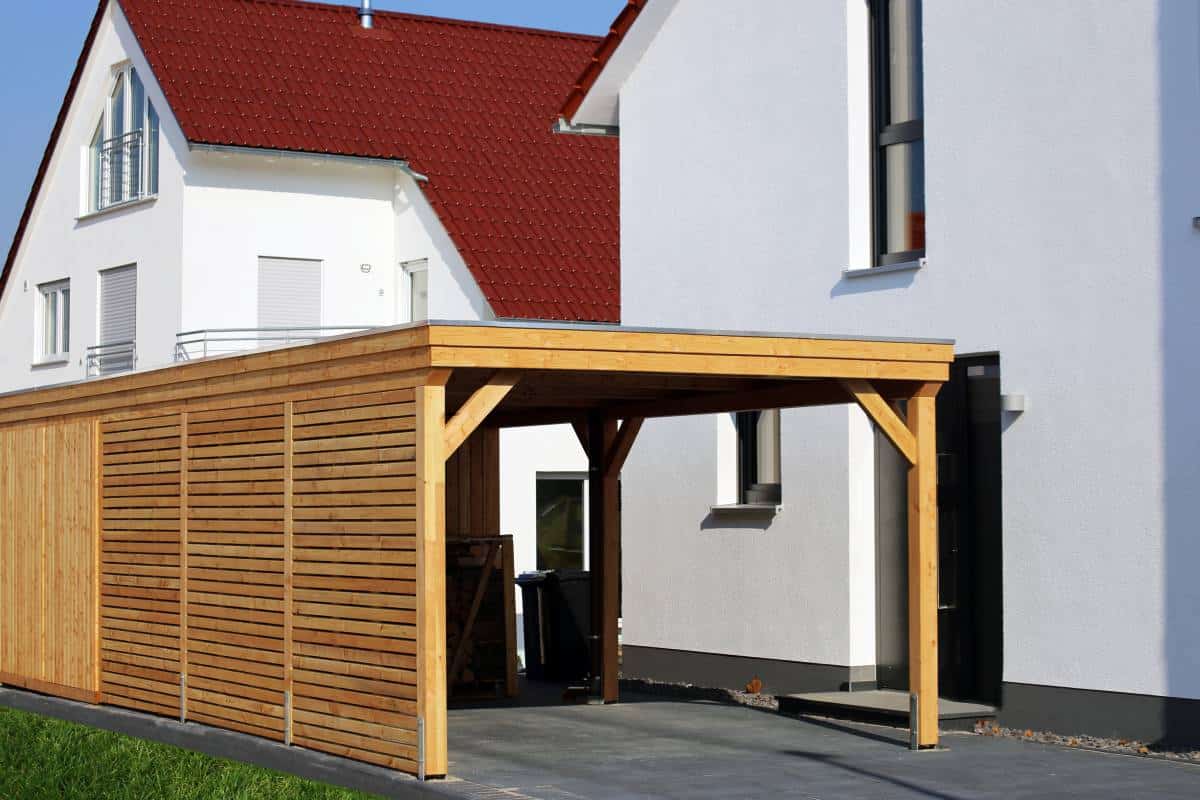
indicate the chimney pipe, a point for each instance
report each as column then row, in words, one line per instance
column 365, row 15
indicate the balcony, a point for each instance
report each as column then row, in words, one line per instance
column 191, row 345
column 121, row 171
column 107, row 359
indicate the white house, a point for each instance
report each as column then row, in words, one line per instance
column 208, row 189
column 1019, row 176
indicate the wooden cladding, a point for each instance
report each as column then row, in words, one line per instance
column 473, row 486
column 140, row 563
column 262, row 560
column 354, row 612
column 235, row 563
column 48, row 557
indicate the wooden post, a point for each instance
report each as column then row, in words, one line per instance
column 183, row 565
column 289, row 566
column 923, row 565
column 604, row 529
column 431, row 576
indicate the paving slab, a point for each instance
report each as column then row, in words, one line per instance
column 652, row 747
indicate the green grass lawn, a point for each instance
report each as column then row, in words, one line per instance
column 47, row 758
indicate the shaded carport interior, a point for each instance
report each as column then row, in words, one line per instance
column 606, row 381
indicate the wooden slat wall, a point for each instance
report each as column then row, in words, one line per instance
column 47, row 558
column 354, row 624
column 140, row 554
column 235, row 569
column 473, row 486
column 293, row 527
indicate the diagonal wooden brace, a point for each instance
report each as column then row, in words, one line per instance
column 475, row 410
column 884, row 416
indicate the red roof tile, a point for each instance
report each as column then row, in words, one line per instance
column 470, row 105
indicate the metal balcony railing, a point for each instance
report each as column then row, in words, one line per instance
column 121, row 170
column 106, row 359
column 219, row 341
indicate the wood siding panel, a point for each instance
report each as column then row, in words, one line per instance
column 140, row 562
column 48, row 548
column 234, row 554
column 353, row 602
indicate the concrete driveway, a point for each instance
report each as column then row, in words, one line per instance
column 658, row 747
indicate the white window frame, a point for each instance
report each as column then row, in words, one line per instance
column 410, row 269
column 60, row 290
column 132, row 119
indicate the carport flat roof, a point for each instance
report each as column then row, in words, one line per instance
column 564, row 371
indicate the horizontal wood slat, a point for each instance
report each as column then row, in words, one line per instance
column 354, row 690
column 140, row 563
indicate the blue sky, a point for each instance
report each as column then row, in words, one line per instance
column 40, row 40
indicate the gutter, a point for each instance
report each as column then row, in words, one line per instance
column 230, row 149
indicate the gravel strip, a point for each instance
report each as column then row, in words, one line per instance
column 768, row 702
column 1127, row 747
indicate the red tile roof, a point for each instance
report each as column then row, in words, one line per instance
column 608, row 46
column 471, row 105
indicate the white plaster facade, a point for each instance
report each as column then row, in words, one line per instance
column 197, row 245
column 1060, row 197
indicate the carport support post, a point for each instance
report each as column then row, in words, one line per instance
column 923, row 565
column 604, row 530
column 432, row 745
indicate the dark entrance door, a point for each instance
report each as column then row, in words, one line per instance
column 969, row 548
column 970, row 620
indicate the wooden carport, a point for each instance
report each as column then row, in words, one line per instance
column 258, row 541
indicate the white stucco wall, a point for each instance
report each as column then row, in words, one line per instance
column 58, row 244
column 242, row 206
column 1048, row 227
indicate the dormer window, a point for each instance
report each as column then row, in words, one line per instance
column 123, row 152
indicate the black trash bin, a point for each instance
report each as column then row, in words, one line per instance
column 533, row 594
column 568, row 621
column 557, row 624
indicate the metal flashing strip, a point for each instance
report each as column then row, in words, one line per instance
column 562, row 126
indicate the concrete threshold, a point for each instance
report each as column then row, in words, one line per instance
column 882, row 705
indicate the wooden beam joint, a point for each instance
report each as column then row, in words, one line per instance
column 614, row 459
column 883, row 415
column 476, row 409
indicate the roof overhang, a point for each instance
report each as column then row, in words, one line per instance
column 595, row 99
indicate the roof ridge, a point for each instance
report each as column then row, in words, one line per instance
column 466, row 23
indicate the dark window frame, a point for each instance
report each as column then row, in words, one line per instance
column 884, row 135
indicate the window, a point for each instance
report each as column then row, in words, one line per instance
column 560, row 521
column 758, row 457
column 898, row 109
column 118, row 322
column 123, row 153
column 55, row 321
column 289, row 296
column 418, row 290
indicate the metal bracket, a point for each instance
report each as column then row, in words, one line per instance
column 420, row 748
column 183, row 697
column 914, row 723
column 287, row 717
